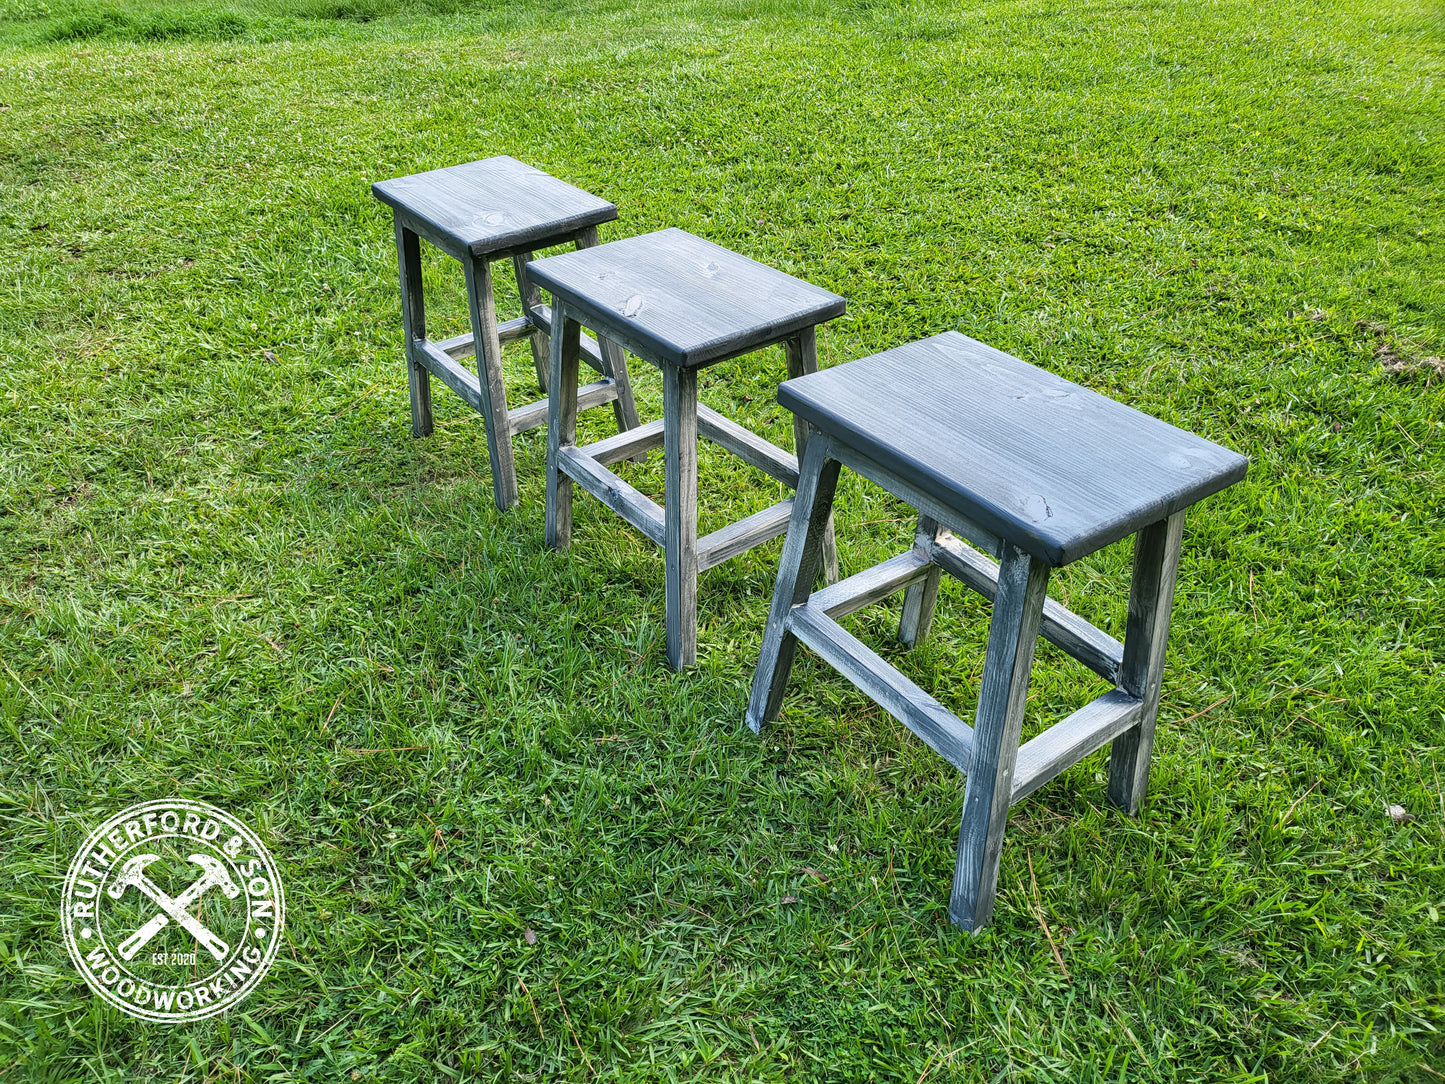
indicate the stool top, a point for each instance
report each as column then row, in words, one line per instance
column 1058, row 470
column 497, row 205
column 676, row 299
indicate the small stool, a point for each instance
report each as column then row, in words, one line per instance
column 681, row 303
column 1037, row 472
column 477, row 213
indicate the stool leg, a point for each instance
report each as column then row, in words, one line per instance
column 489, row 374
column 566, row 338
column 1012, row 633
column 614, row 363
column 802, row 355
column 1151, row 598
column 920, row 598
column 413, row 327
column 679, row 433
column 798, row 568
column 532, row 299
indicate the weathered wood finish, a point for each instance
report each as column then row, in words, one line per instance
column 561, row 424
column 939, row 728
column 1063, row 628
column 801, row 352
column 1072, row 739
column 872, row 584
column 1059, row 469
column 413, row 326
column 921, row 597
column 520, row 419
column 631, row 504
column 681, row 303
column 489, row 376
column 1013, row 632
column 679, row 444
column 797, row 568
column 478, row 213
column 531, row 298
column 614, row 364
column 747, row 446
column 742, row 535
column 951, row 498
column 625, row 445
column 678, row 300
column 495, row 207
column 1141, row 674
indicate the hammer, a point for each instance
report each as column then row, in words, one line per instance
column 214, row 875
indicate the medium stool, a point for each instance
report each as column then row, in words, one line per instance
column 1035, row 471
column 681, row 303
column 477, row 213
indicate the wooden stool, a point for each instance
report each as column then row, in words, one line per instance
column 1037, row 472
column 681, row 303
column 478, row 213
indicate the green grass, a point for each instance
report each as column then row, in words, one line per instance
column 228, row 573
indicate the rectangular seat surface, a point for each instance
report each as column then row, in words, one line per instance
column 1051, row 466
column 683, row 300
column 496, row 205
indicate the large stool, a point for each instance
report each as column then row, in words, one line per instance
column 1035, row 471
column 477, row 213
column 681, row 303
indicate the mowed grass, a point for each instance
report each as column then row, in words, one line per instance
column 228, row 573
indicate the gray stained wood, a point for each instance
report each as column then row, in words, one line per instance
column 1013, row 633
column 676, row 299
column 1053, row 467
column 493, row 207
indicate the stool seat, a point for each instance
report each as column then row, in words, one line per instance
column 493, row 207
column 679, row 300
column 1058, row 470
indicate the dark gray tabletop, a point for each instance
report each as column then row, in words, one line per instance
column 1053, row 467
column 495, row 205
column 680, row 300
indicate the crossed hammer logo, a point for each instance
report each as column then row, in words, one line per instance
column 213, row 875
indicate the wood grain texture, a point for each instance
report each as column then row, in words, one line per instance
column 626, row 444
column 561, row 423
column 871, row 585
column 742, row 535
column 919, row 498
column 1054, row 467
column 1141, row 673
column 921, row 597
column 413, row 328
column 747, row 446
column 797, row 568
column 679, row 449
column 1071, row 739
column 1063, row 628
column 1013, row 632
column 801, row 352
column 613, row 359
column 676, row 299
column 531, row 298
column 493, row 207
column 489, row 377
column 534, row 415
column 629, row 503
column 939, row 728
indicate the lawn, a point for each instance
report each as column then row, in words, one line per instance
column 515, row 846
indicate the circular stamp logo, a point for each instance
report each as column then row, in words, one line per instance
column 173, row 911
